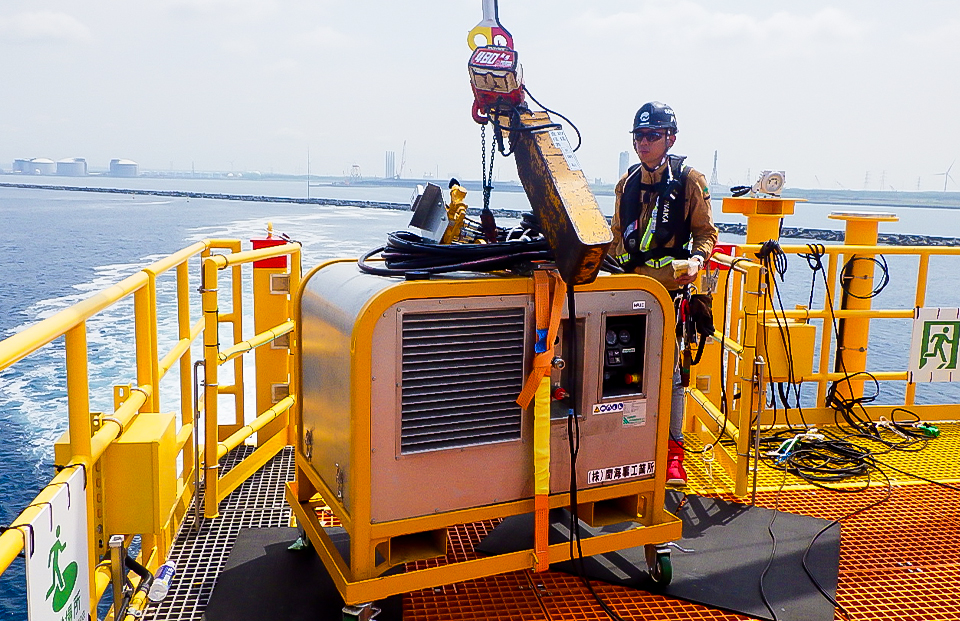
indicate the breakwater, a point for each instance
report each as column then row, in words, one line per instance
column 891, row 239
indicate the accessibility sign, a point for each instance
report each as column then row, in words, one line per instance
column 935, row 348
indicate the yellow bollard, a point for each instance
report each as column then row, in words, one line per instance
column 861, row 230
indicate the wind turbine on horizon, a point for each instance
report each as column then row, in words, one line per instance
column 946, row 175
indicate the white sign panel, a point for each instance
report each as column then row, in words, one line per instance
column 935, row 346
column 560, row 141
column 618, row 473
column 58, row 588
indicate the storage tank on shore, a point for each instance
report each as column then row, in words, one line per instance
column 34, row 166
column 124, row 168
column 72, row 167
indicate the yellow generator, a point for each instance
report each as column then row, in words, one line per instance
column 409, row 422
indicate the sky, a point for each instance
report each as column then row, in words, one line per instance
column 836, row 94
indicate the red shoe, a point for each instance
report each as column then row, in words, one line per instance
column 676, row 475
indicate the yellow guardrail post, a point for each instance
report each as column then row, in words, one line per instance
column 764, row 215
column 235, row 319
column 78, row 413
column 145, row 320
column 211, row 352
column 295, row 279
column 861, row 230
column 184, row 332
column 920, row 299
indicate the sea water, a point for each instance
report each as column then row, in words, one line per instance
column 59, row 247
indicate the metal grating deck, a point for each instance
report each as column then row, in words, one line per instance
column 937, row 462
column 200, row 556
column 898, row 561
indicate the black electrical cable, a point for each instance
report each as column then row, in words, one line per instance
column 835, row 459
column 573, row 443
column 406, row 252
column 775, row 260
column 740, row 190
column 773, row 549
column 846, row 276
column 724, row 406
column 546, row 109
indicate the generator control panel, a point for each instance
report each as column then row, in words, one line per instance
column 623, row 355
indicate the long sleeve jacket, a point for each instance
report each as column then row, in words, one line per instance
column 698, row 211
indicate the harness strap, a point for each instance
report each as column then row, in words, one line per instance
column 538, row 383
column 548, row 321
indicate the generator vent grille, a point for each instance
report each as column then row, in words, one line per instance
column 462, row 371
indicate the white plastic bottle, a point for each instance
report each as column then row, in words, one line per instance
column 161, row 581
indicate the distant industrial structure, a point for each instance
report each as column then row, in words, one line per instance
column 34, row 166
column 124, row 168
column 624, row 162
column 714, row 176
column 390, row 166
column 72, row 167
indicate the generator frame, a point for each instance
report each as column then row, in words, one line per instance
column 357, row 574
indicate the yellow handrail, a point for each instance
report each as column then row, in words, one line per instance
column 252, row 343
column 246, row 431
column 87, row 445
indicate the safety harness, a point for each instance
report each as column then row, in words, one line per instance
column 669, row 220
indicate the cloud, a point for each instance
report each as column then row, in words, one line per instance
column 44, row 26
column 940, row 37
column 687, row 23
column 323, row 37
column 243, row 9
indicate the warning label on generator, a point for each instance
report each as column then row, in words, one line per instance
column 607, row 408
column 634, row 414
column 618, row 473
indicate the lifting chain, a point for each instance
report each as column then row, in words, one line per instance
column 487, row 173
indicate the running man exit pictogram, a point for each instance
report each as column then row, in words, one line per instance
column 940, row 344
column 935, row 350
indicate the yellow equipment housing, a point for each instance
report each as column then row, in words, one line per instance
column 139, row 475
column 409, row 425
column 773, row 340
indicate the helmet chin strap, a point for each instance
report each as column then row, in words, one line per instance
column 659, row 164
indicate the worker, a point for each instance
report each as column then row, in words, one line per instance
column 663, row 228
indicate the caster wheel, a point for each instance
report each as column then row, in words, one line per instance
column 659, row 566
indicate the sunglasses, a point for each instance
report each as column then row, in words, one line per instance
column 650, row 136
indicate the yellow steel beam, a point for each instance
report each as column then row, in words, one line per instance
column 180, row 349
column 848, row 249
column 117, row 422
column 267, row 336
column 728, row 343
column 36, row 336
column 12, row 539
column 246, row 431
column 176, row 259
column 211, row 344
column 384, row 586
column 248, row 256
column 839, row 313
column 184, row 436
column 714, row 413
column 253, row 462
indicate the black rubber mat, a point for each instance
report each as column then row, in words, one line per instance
column 728, row 548
column 262, row 579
